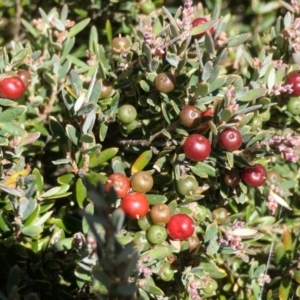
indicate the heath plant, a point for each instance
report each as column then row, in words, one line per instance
column 149, row 150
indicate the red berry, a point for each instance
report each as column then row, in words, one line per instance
column 254, row 176
column 190, row 116
column 198, row 22
column 165, row 82
column 197, row 147
column 12, row 87
column 209, row 112
column 232, row 177
column 230, row 139
column 119, row 182
column 294, row 80
column 135, row 205
column 180, row 227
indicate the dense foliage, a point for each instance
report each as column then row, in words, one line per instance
column 149, row 150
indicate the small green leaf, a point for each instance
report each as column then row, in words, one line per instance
column 199, row 171
column 59, row 25
column 86, row 138
column 101, row 276
column 64, row 244
column 7, row 102
column 81, row 193
column 62, row 161
column 156, row 199
column 58, row 131
column 279, row 253
column 73, row 134
column 12, row 129
column 83, row 274
column 213, row 270
column 172, row 59
column 78, row 27
column 117, row 165
column 89, row 122
column 94, row 97
column 211, row 232
column 93, row 39
column 237, row 40
column 103, row 131
column 248, row 109
column 203, row 170
column 106, row 155
column 226, row 115
column 247, row 56
column 43, row 218
column 254, row 94
column 32, row 230
column 26, row 207
column 29, row 138
column 10, row 191
column 285, row 288
column 64, row 13
column 4, row 224
column 81, row 12
column 230, row 159
column 153, row 289
column 141, row 162
column 34, row 215
column 124, row 240
column 202, row 89
column 216, row 84
column 68, row 46
column 207, row 70
column 29, row 27
column 241, row 93
column 68, row 101
column 19, row 57
column 271, row 79
column 90, row 210
column 143, row 294
column 108, row 30
column 44, row 16
column 76, row 82
column 209, row 45
column 65, row 179
column 212, row 247
column 79, row 63
column 64, row 70
column 145, row 86
column 55, row 191
column 157, row 27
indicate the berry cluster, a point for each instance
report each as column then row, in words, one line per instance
column 159, row 223
column 198, row 148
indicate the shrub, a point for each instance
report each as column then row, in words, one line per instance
column 88, row 91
